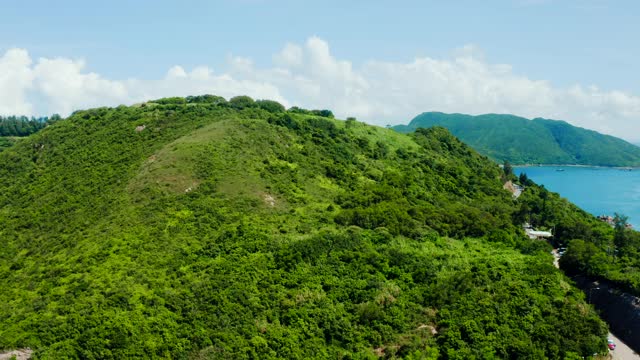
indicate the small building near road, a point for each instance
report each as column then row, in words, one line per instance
column 536, row 234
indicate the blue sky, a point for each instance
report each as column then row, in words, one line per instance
column 549, row 46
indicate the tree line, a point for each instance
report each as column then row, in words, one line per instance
column 24, row 126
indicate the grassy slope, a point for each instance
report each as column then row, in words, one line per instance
column 217, row 233
column 520, row 141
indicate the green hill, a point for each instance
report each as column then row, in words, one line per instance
column 538, row 141
column 204, row 229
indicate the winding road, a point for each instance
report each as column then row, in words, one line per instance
column 622, row 351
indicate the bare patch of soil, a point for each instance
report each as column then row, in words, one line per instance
column 20, row 354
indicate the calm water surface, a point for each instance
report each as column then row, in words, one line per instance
column 596, row 190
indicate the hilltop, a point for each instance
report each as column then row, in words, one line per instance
column 538, row 141
column 205, row 228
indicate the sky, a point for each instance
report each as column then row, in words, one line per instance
column 383, row 62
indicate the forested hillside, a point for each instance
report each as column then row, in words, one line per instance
column 23, row 126
column 613, row 258
column 13, row 127
column 210, row 229
column 538, row 141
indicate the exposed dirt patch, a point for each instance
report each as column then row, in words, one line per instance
column 430, row 328
column 20, row 354
column 516, row 190
column 379, row 351
column 269, row 200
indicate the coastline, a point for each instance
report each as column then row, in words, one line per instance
column 596, row 189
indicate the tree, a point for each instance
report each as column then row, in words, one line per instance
column 298, row 110
column 351, row 121
column 584, row 257
column 23, row 126
column 620, row 223
column 171, row 100
column 270, row 106
column 523, row 178
column 323, row 113
column 381, row 150
column 507, row 168
column 206, row 99
column 241, row 102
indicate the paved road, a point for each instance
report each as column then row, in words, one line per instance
column 622, row 351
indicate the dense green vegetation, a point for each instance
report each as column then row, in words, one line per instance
column 13, row 127
column 6, row 142
column 24, row 126
column 204, row 228
column 613, row 258
column 538, row 141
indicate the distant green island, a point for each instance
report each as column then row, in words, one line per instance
column 539, row 141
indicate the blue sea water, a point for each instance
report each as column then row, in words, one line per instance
column 596, row 190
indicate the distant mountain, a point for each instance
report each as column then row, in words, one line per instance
column 538, row 141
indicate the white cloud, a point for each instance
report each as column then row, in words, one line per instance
column 66, row 87
column 202, row 80
column 290, row 56
column 16, row 77
column 309, row 75
column 176, row 72
column 240, row 64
